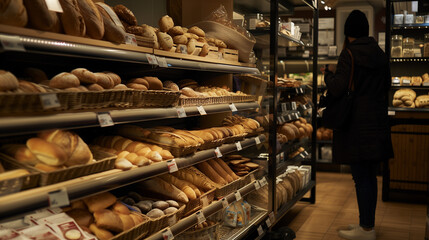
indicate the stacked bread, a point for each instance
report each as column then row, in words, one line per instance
column 249, row 125
column 129, row 151
column 145, row 83
column 151, row 208
column 217, row 171
column 296, row 152
column 282, row 82
column 413, row 80
column 404, row 98
column 298, row 129
column 104, row 216
column 190, row 89
column 324, row 133
column 51, row 150
column 10, row 84
column 240, row 165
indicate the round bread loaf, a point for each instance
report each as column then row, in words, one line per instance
column 176, row 30
column 180, row 39
column 93, row 19
column 71, row 18
column 46, row 152
column 120, row 87
column 165, row 23
column 196, row 30
column 170, row 210
column 64, row 80
column 149, row 32
column 104, row 80
column 84, row 75
column 155, row 213
column 191, row 35
column 95, row 87
column 125, row 14
column 136, row 30
column 140, row 81
column 165, row 41
column 154, row 83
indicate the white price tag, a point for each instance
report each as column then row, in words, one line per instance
column 130, row 39
column 296, row 115
column 263, row 182
column 297, row 90
column 284, row 109
column 289, row 117
column 406, row 82
column 304, row 106
column 225, row 203
column 283, row 119
column 49, row 100
column 301, row 155
column 391, row 113
column 58, row 198
column 282, row 155
column 237, row 196
column 293, row 105
column 151, row 59
column 218, row 153
column 301, row 90
column 205, row 201
column 238, row 144
column 167, row 234
column 268, row 222
column 306, row 153
column 426, row 84
column 257, row 185
column 200, row 217
column 257, row 140
column 12, row 43
column 260, row 230
column 54, row 5
column 183, row 49
column 201, row 110
column 105, row 119
column 181, row 113
column 233, row 107
column 162, row 62
column 272, row 217
column 172, row 166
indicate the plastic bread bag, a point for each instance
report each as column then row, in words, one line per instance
column 230, row 216
column 247, row 211
column 240, row 214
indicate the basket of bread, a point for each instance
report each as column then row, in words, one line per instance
column 250, row 126
column 14, row 178
column 58, row 155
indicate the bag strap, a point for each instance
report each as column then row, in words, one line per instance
column 351, row 82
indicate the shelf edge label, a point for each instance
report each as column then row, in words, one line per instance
column 12, row 43
column 58, row 198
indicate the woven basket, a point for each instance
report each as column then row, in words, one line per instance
column 195, row 205
column 193, row 101
column 155, row 98
column 20, row 183
column 211, row 144
column 164, row 221
column 228, row 188
column 137, row 232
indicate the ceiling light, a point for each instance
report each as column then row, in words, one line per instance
column 322, row 2
column 326, row 8
column 329, row 8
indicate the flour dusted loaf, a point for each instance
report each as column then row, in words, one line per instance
column 158, row 185
column 93, row 19
column 71, row 18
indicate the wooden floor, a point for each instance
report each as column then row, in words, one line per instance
column 336, row 207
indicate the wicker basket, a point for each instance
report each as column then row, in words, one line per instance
column 166, row 220
column 228, row 188
column 211, row 144
column 234, row 138
column 208, row 233
column 155, row 98
column 20, row 183
column 137, row 232
column 195, row 205
column 193, row 101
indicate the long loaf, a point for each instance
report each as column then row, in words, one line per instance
column 180, row 184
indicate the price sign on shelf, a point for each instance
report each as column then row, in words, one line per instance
column 233, row 107
column 301, row 155
column 181, row 113
column 162, row 62
column 12, row 43
column 272, row 217
column 151, row 59
column 54, row 5
column 172, row 166
column 225, row 203
column 201, row 110
column 238, row 145
column 49, row 100
column 130, row 39
column 284, row 108
column 301, row 90
column 257, row 185
column 268, row 222
column 167, row 234
column 293, row 105
column 257, row 140
column 200, row 217
column 105, row 119
column 260, row 230
column 237, row 196
column 58, row 198
column 218, row 152
column 391, row 113
column 183, row 49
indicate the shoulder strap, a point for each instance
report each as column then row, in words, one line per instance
column 351, row 82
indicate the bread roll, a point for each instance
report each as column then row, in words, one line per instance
column 100, row 201
column 140, row 81
column 137, row 218
column 109, row 220
column 84, row 75
column 175, row 31
column 120, row 87
column 165, row 23
column 39, row 16
column 112, row 32
column 13, row 13
column 180, row 184
column 71, row 18
column 95, row 87
column 196, row 30
column 115, row 77
column 149, row 32
column 104, row 80
column 165, row 41
column 204, row 50
column 180, row 39
column 64, row 80
column 8, row 81
column 127, row 221
column 100, row 233
column 21, row 153
column 137, row 86
column 13, row 174
column 80, row 155
column 154, row 83
column 191, row 45
column 215, row 165
column 93, row 19
column 157, row 185
column 46, row 152
column 82, row 217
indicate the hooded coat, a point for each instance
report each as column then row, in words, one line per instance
column 367, row 135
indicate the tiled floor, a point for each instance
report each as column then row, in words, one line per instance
column 336, row 207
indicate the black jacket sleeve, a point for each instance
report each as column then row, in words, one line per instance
column 338, row 82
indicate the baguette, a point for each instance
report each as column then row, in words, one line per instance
column 213, row 163
column 180, row 184
column 205, row 168
column 158, row 185
column 227, row 168
column 194, row 176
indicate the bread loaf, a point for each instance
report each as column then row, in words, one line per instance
column 180, row 184
column 154, row 83
column 95, row 87
column 127, row 221
column 226, row 168
column 100, row 233
column 100, row 201
column 13, row 13
column 72, row 19
column 64, row 80
column 194, row 176
column 84, row 75
column 109, row 220
column 204, row 50
column 82, row 217
column 175, row 31
column 112, row 32
column 93, row 19
column 8, row 81
column 165, row 41
column 125, row 14
column 422, row 101
column 205, row 168
column 46, row 152
column 39, row 16
column 13, row 174
column 21, row 153
column 157, row 185
column 165, row 23
column 104, row 80
column 219, row 169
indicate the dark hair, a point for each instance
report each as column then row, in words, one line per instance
column 356, row 25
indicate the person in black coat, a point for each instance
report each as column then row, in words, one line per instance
column 365, row 140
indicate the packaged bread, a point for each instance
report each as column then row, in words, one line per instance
column 159, row 186
column 40, row 17
column 13, row 13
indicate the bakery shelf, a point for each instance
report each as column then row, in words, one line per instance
column 262, row 36
column 414, row 110
column 413, row 60
column 287, row 116
column 324, row 141
column 286, row 207
column 282, row 166
column 423, row 26
column 413, row 87
column 213, row 208
column 257, row 216
column 29, row 124
column 25, row 201
column 293, row 145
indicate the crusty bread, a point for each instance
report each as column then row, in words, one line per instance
column 118, row 207
column 95, row 87
column 46, row 152
column 180, row 184
column 80, row 155
column 39, row 16
column 154, row 83
column 100, row 233
column 194, row 176
column 93, row 19
column 127, row 221
column 64, row 80
column 108, row 220
column 225, row 175
column 112, row 32
column 165, row 41
column 158, row 185
column 47, row 168
column 208, row 170
column 226, row 168
column 13, row 13
column 100, row 201
column 72, row 19
column 8, row 81
column 84, row 75
column 104, row 80
column 165, row 23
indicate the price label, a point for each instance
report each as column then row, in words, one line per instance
column 162, row 62
column 200, row 217
column 181, row 113
column 304, row 106
column 151, row 59
column 391, row 113
column 272, row 217
column 284, row 108
column 225, row 203
column 172, row 166
column 282, row 154
column 301, row 155
column 406, row 82
column 130, row 39
column 167, row 234
column 238, row 144
column 218, row 153
column 201, row 110
column 58, row 198
column 268, row 222
column 283, row 119
column 296, row 115
column 49, row 100
column 183, row 49
column 105, row 119
column 257, row 185
column 293, row 105
column 301, row 90
column 289, row 117
column 205, row 201
column 263, row 182
column 233, row 107
column 257, row 140
column 260, row 230
column 306, row 153
column 296, row 90
column 12, row 43
column 54, row 5
column 237, row 196
column 279, row 120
